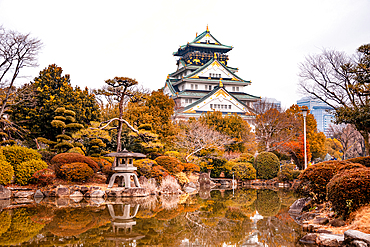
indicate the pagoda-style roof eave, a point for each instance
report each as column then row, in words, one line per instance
column 208, row 63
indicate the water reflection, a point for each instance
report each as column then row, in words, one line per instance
column 243, row 218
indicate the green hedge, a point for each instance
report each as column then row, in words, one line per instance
column 267, row 165
column 15, row 155
column 244, row 171
column 6, row 172
column 25, row 170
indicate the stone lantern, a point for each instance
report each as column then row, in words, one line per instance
column 123, row 167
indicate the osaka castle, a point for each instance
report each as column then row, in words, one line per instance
column 204, row 82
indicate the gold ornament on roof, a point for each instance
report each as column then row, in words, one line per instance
column 207, row 28
column 221, row 84
column 214, row 55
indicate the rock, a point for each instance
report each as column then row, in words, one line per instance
column 4, row 203
column 337, row 222
column 323, row 231
column 23, row 200
column 352, row 235
column 131, row 192
column 321, row 221
column 50, row 193
column 4, row 193
column 358, row 243
column 23, row 194
column 190, row 189
column 204, row 180
column 309, row 239
column 84, row 189
column 62, row 192
column 62, row 202
column 298, row 205
column 325, row 239
column 38, row 194
column 114, row 192
column 97, row 193
column 76, row 194
column 93, row 188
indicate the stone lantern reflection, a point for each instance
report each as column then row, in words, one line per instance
column 124, row 168
column 122, row 222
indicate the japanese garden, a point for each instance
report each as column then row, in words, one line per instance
column 199, row 162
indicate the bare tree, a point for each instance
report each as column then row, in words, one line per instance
column 17, row 51
column 195, row 137
column 351, row 140
column 274, row 129
column 342, row 82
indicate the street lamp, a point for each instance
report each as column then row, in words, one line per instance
column 304, row 113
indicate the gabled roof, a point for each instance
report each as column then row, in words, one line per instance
column 215, row 91
column 204, row 40
column 214, row 62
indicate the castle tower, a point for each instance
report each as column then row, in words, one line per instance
column 204, row 82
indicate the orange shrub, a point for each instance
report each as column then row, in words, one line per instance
column 349, row 190
column 44, row 177
column 190, row 167
column 361, row 160
column 158, row 172
column 76, row 171
column 67, row 158
column 172, row 164
column 315, row 178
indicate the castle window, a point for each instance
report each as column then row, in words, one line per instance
column 211, row 106
column 190, row 100
column 229, row 107
column 237, row 89
column 182, row 88
column 233, row 89
column 192, row 86
column 196, row 86
column 210, row 87
column 186, row 101
column 205, row 87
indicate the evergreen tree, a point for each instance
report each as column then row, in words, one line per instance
column 48, row 92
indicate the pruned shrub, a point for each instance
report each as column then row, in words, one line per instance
column 287, row 173
column 144, row 167
column 172, row 164
column 46, row 155
column 361, row 160
column 77, row 171
column 349, row 190
column 159, row 172
column 24, row 171
column 268, row 202
column 67, row 158
column 76, row 150
column 245, row 157
column 101, row 162
column 315, row 178
column 190, row 167
column 267, row 165
column 44, row 177
column 244, row 171
column 6, row 172
column 15, row 155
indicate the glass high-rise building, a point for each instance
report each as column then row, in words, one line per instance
column 322, row 112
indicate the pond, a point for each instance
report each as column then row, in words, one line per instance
column 244, row 217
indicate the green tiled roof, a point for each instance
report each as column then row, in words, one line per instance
column 204, row 45
column 209, row 95
column 208, row 63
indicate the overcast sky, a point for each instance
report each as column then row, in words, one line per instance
column 97, row 40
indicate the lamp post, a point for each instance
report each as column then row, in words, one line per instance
column 304, row 113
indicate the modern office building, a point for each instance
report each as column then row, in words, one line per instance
column 321, row 111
